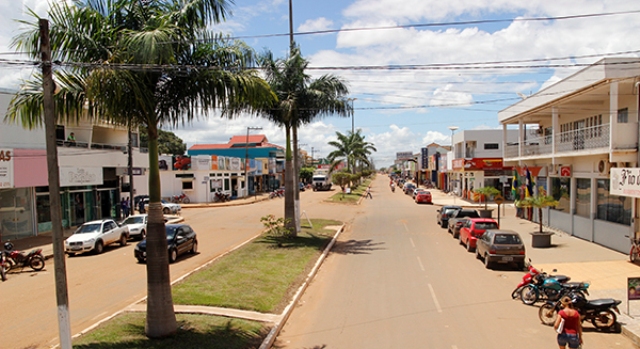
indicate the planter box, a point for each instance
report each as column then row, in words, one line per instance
column 541, row 240
column 485, row 213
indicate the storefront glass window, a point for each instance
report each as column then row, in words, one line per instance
column 583, row 197
column 561, row 191
column 612, row 208
column 16, row 213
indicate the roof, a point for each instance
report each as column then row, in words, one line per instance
column 252, row 139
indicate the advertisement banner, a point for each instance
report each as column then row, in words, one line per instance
column 201, row 162
column 214, row 162
column 235, row 164
column 258, row 168
column 6, row 168
column 404, row 155
column 272, row 165
column 182, row 162
column 625, row 182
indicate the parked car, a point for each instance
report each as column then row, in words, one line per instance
column 137, row 226
column 95, row 235
column 423, row 197
column 180, row 239
column 408, row 188
column 501, row 246
column 444, row 213
column 454, row 223
column 473, row 228
column 167, row 207
column 416, row 191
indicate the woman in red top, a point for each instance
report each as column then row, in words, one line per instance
column 572, row 330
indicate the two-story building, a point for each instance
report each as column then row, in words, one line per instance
column 570, row 135
column 93, row 168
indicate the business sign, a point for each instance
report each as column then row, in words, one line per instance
column 76, row 176
column 6, row 168
column 424, row 155
column 633, row 288
column 404, row 155
column 201, row 162
column 625, row 182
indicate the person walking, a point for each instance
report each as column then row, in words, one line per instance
column 568, row 325
column 125, row 207
column 368, row 193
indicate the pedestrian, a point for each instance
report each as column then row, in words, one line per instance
column 141, row 206
column 125, row 207
column 368, row 193
column 71, row 139
column 568, row 325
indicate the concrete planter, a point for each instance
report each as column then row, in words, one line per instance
column 485, row 213
column 541, row 240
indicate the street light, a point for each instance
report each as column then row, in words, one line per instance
column 246, row 158
column 452, row 128
column 352, row 113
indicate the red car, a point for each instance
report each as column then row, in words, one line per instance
column 472, row 230
column 423, row 197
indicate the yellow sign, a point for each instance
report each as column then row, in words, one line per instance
column 498, row 199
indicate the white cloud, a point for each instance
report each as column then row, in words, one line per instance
column 317, row 24
column 445, row 97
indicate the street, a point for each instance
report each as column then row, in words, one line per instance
column 397, row 280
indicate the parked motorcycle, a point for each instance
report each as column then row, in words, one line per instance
column 222, row 197
column 529, row 278
column 17, row 259
column 180, row 199
column 546, row 287
column 4, row 267
column 598, row 311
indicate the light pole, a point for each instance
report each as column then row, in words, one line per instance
column 246, row 158
column 452, row 128
column 352, row 114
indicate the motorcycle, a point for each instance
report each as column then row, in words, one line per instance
column 529, row 278
column 182, row 198
column 3, row 266
column 547, row 287
column 16, row 259
column 598, row 311
column 222, row 197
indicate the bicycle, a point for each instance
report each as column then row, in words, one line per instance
column 634, row 253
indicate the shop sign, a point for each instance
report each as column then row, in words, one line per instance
column 75, row 176
column 424, row 152
column 201, row 162
column 6, row 168
column 404, row 155
column 214, row 162
column 625, row 182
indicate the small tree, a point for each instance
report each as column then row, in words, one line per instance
column 538, row 201
column 341, row 179
column 487, row 192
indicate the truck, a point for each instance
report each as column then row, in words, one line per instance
column 321, row 180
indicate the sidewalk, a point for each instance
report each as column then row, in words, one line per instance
column 606, row 270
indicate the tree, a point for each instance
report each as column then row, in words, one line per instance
column 487, row 193
column 306, row 174
column 168, row 142
column 351, row 148
column 143, row 63
column 538, row 201
column 300, row 100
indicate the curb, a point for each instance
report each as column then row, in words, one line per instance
column 271, row 337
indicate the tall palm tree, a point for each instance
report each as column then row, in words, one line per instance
column 143, row 63
column 301, row 99
column 352, row 149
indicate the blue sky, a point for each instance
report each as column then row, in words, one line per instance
column 406, row 109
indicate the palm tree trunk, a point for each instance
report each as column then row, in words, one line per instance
column 540, row 218
column 296, row 180
column 289, row 177
column 161, row 318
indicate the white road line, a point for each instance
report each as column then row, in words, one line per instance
column 435, row 300
column 420, row 262
column 405, row 226
column 412, row 244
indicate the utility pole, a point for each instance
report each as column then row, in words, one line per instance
column 60, row 267
column 130, row 168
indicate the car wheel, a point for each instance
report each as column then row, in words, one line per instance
column 143, row 235
column 487, row 263
column 456, row 236
column 140, row 260
column 469, row 248
column 444, row 225
column 173, row 255
column 123, row 240
column 99, row 247
column 478, row 256
column 166, row 210
column 194, row 247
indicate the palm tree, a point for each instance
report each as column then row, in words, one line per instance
column 538, row 201
column 352, row 149
column 300, row 101
column 149, row 64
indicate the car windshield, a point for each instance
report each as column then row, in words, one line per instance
column 171, row 232
column 470, row 214
column 486, row 225
column 450, row 210
column 89, row 228
column 134, row 220
column 507, row 239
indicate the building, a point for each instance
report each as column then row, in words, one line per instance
column 93, row 169
column 570, row 135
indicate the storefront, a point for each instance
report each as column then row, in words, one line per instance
column 469, row 174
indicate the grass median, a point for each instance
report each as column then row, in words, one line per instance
column 353, row 197
column 261, row 276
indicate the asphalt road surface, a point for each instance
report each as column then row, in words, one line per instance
column 397, row 280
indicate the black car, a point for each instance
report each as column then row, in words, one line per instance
column 455, row 220
column 180, row 239
column 444, row 213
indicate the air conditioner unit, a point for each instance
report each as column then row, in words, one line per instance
column 604, row 167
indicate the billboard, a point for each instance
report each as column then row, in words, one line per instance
column 404, row 155
column 625, row 182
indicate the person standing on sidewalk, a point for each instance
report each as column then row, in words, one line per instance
column 570, row 332
column 368, row 193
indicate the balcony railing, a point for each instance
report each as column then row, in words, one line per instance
column 595, row 137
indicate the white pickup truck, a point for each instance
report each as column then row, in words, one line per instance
column 95, row 235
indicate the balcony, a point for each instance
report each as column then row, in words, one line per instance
column 591, row 139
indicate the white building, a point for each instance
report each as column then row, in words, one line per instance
column 569, row 136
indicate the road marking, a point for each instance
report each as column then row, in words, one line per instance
column 405, row 226
column 435, row 300
column 412, row 244
column 420, row 262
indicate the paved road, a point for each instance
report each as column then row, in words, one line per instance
column 397, row 280
column 100, row 285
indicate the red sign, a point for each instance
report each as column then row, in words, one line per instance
column 565, row 171
column 478, row 164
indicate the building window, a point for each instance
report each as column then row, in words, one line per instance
column 623, row 116
column 612, row 208
column 187, row 185
column 583, row 197
column 561, row 191
column 488, row 146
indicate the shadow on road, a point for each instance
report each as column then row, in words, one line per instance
column 356, row 246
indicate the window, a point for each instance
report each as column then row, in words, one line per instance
column 561, row 191
column 187, row 185
column 491, row 146
column 623, row 116
column 583, row 197
column 612, row 208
